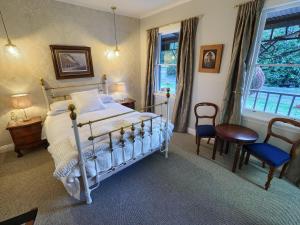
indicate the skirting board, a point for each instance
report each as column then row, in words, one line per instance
column 7, row 148
column 192, row 131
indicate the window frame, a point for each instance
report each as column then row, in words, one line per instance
column 248, row 112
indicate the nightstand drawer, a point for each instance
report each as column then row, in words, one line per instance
column 26, row 131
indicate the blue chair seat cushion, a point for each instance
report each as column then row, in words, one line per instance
column 270, row 154
column 205, row 131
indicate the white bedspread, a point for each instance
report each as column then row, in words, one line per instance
column 59, row 133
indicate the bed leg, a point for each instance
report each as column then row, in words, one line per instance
column 167, row 124
column 81, row 160
column 166, row 152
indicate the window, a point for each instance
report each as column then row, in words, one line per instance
column 275, row 86
column 166, row 67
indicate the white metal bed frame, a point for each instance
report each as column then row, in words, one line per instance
column 92, row 183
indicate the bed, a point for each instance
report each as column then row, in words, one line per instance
column 88, row 147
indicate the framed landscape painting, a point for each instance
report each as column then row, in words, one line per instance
column 72, row 61
column 210, row 58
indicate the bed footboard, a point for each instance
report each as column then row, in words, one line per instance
column 137, row 133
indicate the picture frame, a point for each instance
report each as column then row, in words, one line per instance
column 210, row 58
column 72, row 62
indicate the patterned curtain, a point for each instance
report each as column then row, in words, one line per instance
column 150, row 70
column 244, row 41
column 185, row 74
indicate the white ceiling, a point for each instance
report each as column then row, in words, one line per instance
column 133, row 8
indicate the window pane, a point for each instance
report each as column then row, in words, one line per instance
column 275, row 90
column 280, row 52
column 169, row 48
column 167, row 78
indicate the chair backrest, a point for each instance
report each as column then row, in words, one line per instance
column 26, row 218
column 272, row 134
column 206, row 104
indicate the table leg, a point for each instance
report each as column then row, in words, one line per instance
column 236, row 157
column 222, row 146
column 227, row 147
column 215, row 148
column 242, row 158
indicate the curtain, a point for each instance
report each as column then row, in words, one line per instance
column 185, row 74
column 238, row 78
column 150, row 70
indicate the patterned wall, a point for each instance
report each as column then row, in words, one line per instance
column 35, row 24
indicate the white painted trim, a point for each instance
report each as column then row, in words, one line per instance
column 161, row 9
column 264, row 118
column 7, row 148
column 192, row 131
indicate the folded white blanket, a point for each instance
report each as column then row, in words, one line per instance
column 65, row 154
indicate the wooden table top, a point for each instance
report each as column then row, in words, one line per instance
column 236, row 133
column 18, row 124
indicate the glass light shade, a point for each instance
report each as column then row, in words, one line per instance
column 12, row 49
column 119, row 87
column 21, row 101
column 111, row 54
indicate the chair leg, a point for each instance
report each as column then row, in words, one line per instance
column 198, row 145
column 242, row 158
column 285, row 166
column 196, row 139
column 247, row 158
column 208, row 141
column 270, row 177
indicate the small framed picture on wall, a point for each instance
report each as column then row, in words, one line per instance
column 72, row 61
column 210, row 58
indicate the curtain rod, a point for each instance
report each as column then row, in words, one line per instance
column 178, row 21
column 238, row 5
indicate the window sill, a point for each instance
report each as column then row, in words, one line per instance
column 163, row 94
column 264, row 118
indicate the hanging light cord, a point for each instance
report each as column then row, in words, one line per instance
column 8, row 39
column 115, row 26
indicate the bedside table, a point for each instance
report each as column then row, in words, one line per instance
column 128, row 102
column 26, row 134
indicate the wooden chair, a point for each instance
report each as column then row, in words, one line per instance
column 206, row 130
column 272, row 155
column 26, row 218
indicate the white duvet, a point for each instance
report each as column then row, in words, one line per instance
column 59, row 133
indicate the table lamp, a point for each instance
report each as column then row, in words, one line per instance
column 21, row 101
column 120, row 89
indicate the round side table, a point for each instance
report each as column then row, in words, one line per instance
column 234, row 134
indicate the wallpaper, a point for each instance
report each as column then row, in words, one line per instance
column 33, row 25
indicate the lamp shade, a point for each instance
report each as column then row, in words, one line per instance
column 119, row 87
column 21, row 101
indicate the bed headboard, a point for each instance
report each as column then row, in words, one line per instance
column 52, row 94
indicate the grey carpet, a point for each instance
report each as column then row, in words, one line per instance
column 185, row 189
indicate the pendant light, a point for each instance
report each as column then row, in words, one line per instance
column 116, row 52
column 9, row 47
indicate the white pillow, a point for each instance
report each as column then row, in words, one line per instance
column 87, row 101
column 60, row 106
column 106, row 98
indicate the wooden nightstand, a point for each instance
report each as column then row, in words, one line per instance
column 128, row 102
column 26, row 135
